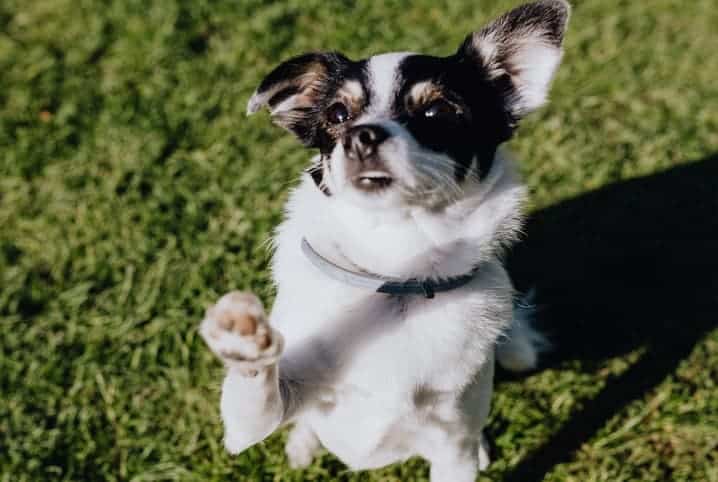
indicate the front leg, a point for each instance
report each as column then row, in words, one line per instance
column 252, row 406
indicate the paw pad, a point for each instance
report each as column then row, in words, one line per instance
column 236, row 329
column 241, row 323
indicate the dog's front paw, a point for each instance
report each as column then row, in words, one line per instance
column 236, row 330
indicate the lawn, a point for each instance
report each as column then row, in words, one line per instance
column 134, row 191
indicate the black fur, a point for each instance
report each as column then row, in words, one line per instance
column 477, row 133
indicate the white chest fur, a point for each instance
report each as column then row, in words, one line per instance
column 382, row 367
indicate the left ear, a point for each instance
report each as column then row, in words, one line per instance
column 293, row 92
column 520, row 51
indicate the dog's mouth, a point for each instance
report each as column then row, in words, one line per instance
column 374, row 180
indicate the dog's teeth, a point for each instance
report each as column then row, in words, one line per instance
column 373, row 175
column 373, row 181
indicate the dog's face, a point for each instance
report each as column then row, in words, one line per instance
column 407, row 129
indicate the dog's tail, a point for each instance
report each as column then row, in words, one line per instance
column 519, row 349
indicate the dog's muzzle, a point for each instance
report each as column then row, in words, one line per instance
column 365, row 167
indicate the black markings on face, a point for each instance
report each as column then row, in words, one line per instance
column 446, row 103
column 343, row 101
column 468, row 104
column 316, row 171
column 343, row 98
column 448, row 106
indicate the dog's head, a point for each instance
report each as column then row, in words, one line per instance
column 416, row 129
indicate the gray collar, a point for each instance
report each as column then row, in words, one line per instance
column 385, row 284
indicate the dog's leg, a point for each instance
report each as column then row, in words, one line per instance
column 484, row 453
column 520, row 351
column 523, row 344
column 302, row 446
column 455, row 463
column 237, row 331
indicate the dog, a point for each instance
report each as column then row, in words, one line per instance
column 392, row 302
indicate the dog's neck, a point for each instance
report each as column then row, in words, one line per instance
column 416, row 242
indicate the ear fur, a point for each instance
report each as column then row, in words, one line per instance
column 521, row 51
column 293, row 90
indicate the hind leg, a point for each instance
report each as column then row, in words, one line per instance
column 454, row 462
column 517, row 353
column 523, row 344
column 484, row 455
column 302, row 445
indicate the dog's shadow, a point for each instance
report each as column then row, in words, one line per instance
column 634, row 264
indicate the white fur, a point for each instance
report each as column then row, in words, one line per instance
column 536, row 65
column 383, row 71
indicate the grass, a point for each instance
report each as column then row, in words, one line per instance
column 134, row 192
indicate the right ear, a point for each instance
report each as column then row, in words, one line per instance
column 520, row 52
column 293, row 92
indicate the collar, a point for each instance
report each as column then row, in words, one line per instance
column 385, row 284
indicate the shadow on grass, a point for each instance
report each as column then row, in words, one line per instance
column 630, row 265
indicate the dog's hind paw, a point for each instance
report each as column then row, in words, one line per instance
column 302, row 446
column 484, row 453
column 236, row 330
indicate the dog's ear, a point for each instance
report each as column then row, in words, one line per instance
column 520, row 52
column 294, row 92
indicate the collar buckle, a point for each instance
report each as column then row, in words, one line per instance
column 428, row 287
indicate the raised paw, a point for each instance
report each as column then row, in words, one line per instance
column 236, row 330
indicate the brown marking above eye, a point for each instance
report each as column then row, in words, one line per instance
column 351, row 98
column 429, row 100
column 422, row 94
column 351, row 91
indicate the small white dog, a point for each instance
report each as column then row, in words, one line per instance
column 391, row 296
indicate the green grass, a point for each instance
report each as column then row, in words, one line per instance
column 134, row 192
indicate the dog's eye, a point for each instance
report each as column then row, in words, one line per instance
column 440, row 108
column 337, row 113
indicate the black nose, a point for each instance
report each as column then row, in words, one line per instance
column 362, row 141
